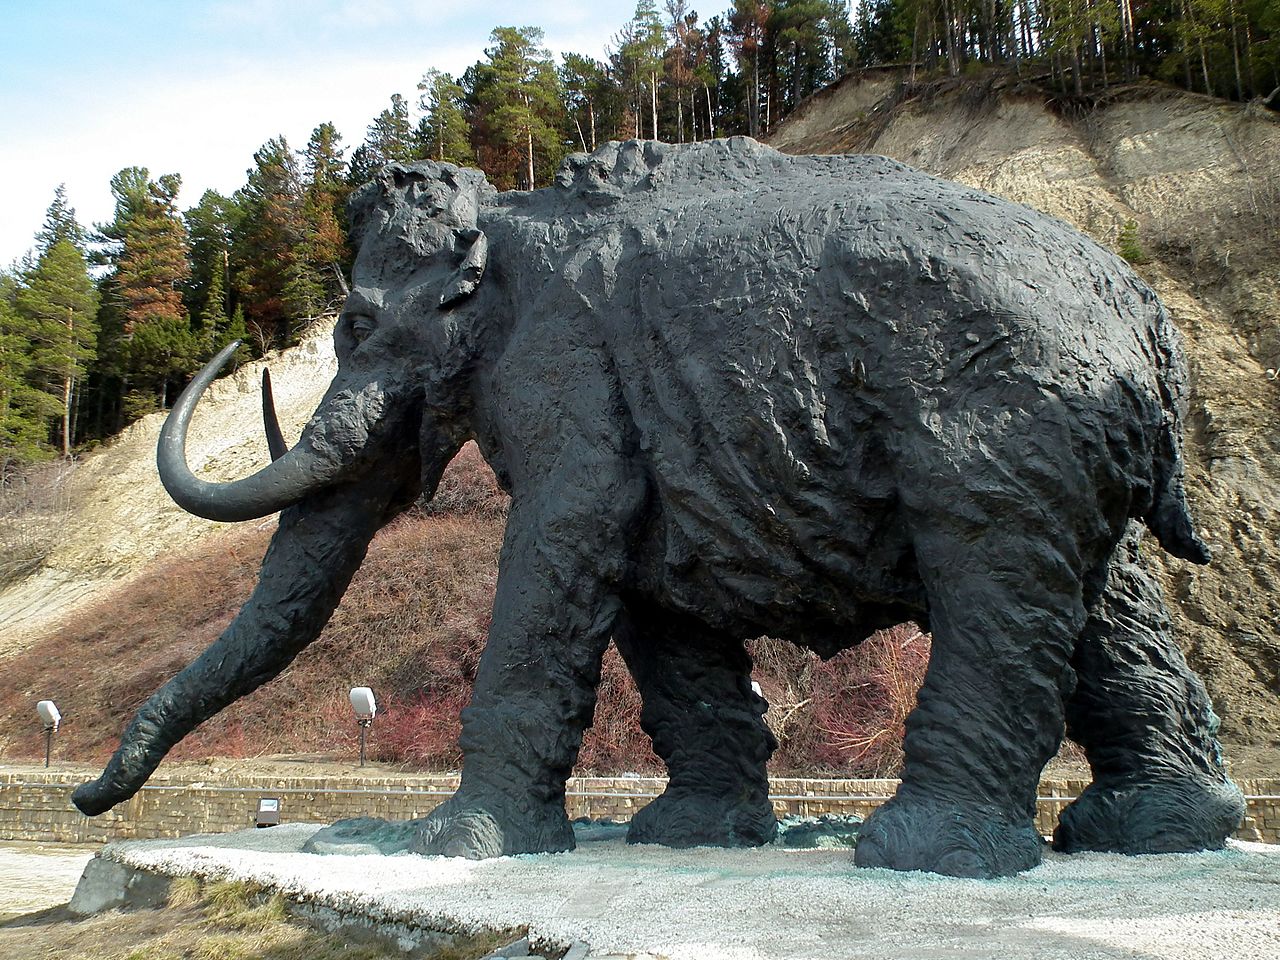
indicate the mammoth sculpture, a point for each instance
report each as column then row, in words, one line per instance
column 735, row 393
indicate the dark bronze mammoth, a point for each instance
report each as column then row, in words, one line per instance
column 733, row 393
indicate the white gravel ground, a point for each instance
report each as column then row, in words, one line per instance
column 773, row 904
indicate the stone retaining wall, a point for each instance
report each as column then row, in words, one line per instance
column 37, row 805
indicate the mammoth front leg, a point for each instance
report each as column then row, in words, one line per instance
column 535, row 688
column 1147, row 726
column 706, row 724
column 316, row 550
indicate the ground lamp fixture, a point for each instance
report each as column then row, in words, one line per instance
column 363, row 704
column 268, row 812
column 50, row 717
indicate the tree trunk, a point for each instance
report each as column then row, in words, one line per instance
column 591, row 118
column 653, row 95
column 76, row 394
column 581, row 139
column 528, row 135
column 796, row 86
column 68, row 384
column 1099, row 41
column 711, row 119
column 953, row 55
column 753, row 120
column 1248, row 58
column 915, row 44
column 1235, row 50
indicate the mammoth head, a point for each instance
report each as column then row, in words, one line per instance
column 412, row 218
column 399, row 342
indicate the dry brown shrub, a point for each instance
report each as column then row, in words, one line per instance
column 845, row 715
column 615, row 743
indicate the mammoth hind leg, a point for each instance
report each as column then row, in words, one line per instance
column 706, row 724
column 1005, row 606
column 1147, row 727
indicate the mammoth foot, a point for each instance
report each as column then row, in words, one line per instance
column 939, row 836
column 459, row 827
column 685, row 818
column 1154, row 817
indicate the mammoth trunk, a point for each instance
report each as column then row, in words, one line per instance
column 314, row 554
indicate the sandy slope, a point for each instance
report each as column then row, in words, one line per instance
column 121, row 518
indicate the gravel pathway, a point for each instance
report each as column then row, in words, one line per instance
column 775, row 904
column 35, row 876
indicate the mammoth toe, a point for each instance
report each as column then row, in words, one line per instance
column 471, row 834
column 468, row 826
column 358, row 836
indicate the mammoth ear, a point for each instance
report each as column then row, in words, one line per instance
column 466, row 278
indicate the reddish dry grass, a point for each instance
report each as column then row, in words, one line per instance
column 845, row 715
column 411, row 626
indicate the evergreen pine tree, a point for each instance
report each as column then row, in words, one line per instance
column 151, row 268
column 59, row 299
column 591, row 101
column 325, row 192
column 515, row 97
column 25, row 411
column 209, row 226
column 60, row 223
column 390, row 137
column 444, row 132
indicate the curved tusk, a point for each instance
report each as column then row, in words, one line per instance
column 280, row 484
column 275, row 439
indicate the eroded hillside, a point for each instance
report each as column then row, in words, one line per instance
column 120, row 519
column 1199, row 178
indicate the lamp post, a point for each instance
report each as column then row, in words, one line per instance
column 363, row 704
column 50, row 716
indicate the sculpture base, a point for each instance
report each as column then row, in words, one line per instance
column 766, row 903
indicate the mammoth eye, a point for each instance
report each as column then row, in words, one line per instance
column 361, row 326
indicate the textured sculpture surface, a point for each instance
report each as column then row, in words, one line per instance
column 733, row 393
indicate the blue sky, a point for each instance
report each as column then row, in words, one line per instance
column 195, row 86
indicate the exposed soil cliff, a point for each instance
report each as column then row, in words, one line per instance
column 119, row 517
column 1199, row 179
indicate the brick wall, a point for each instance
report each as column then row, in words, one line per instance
column 36, row 805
